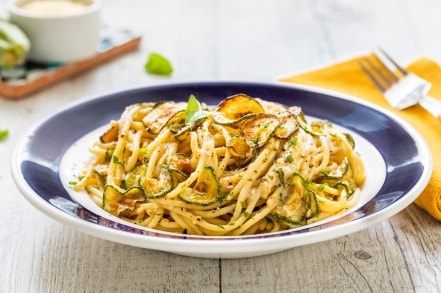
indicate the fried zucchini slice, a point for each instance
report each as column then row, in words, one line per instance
column 237, row 106
column 314, row 128
column 220, row 118
column 157, row 187
column 110, row 135
column 239, row 147
column 299, row 206
column 190, row 127
column 117, row 200
column 206, row 190
column 176, row 122
column 159, row 116
column 288, row 125
column 133, row 177
column 259, row 129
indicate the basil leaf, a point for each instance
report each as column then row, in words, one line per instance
column 193, row 110
column 4, row 134
column 158, row 64
column 193, row 106
column 197, row 115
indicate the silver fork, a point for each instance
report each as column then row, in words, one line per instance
column 401, row 88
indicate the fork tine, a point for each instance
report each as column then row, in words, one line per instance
column 401, row 69
column 371, row 76
column 392, row 75
column 380, row 70
column 379, row 73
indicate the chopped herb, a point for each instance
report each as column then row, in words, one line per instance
column 281, row 197
column 108, row 155
column 143, row 151
column 158, row 64
column 293, row 141
column 289, row 159
column 116, row 160
column 281, row 176
column 246, row 214
column 72, row 183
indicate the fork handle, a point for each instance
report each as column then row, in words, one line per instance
column 432, row 105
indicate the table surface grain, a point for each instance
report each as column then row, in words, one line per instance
column 249, row 40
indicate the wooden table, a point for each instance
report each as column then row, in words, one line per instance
column 225, row 40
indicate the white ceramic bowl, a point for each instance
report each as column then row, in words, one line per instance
column 65, row 36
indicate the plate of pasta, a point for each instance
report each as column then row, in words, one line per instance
column 221, row 169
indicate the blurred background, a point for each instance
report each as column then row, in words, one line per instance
column 227, row 39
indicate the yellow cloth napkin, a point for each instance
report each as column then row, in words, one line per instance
column 348, row 77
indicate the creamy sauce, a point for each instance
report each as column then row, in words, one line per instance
column 53, row 7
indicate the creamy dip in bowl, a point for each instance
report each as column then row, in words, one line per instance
column 59, row 30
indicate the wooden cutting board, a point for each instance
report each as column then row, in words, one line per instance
column 114, row 43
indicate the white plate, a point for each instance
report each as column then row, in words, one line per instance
column 398, row 165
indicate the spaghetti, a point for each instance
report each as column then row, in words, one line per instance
column 246, row 166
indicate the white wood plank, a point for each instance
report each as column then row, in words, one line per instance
column 383, row 258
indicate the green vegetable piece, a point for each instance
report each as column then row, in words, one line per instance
column 193, row 106
column 160, row 116
column 288, row 125
column 260, row 128
column 206, row 190
column 158, row 64
column 240, row 147
column 234, row 107
column 133, row 178
column 299, row 206
column 4, row 134
column 176, row 122
column 339, row 174
column 117, row 200
column 157, row 187
column 193, row 110
column 14, row 45
column 190, row 127
column 314, row 128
